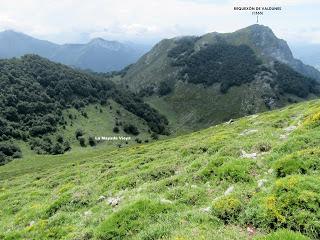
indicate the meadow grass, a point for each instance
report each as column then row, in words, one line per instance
column 255, row 178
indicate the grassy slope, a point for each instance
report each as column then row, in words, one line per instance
column 163, row 185
column 100, row 122
column 192, row 107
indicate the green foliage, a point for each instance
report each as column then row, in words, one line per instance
column 312, row 121
column 130, row 220
column 116, row 129
column 184, row 46
column 8, row 151
column 301, row 162
column 290, row 81
column 154, row 136
column 234, row 65
column 227, row 208
column 82, row 141
column 35, row 91
column 131, row 129
column 228, row 168
column 185, row 179
column 293, row 203
column 48, row 145
column 283, row 234
column 92, row 142
column 164, row 88
column 134, row 104
column 236, row 171
column 79, row 133
column 219, row 63
column 57, row 204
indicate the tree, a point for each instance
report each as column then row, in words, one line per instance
column 92, row 141
column 116, row 129
column 82, row 141
column 164, row 88
column 78, row 133
column 131, row 129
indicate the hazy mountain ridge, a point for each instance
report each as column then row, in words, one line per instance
column 97, row 55
column 309, row 54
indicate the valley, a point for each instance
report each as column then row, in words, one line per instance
column 204, row 137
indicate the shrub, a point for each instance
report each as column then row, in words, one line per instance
column 3, row 158
column 227, row 208
column 228, row 168
column 236, row 171
column 312, row 121
column 301, row 162
column 164, row 88
column 154, row 136
column 263, row 147
column 211, row 169
column 116, row 129
column 57, row 149
column 8, row 151
column 48, row 146
column 84, row 114
column 138, row 140
column 82, row 141
column 60, row 139
column 283, row 234
column 292, row 202
column 130, row 220
column 92, row 141
column 78, row 133
column 131, row 129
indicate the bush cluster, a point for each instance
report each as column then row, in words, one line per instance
column 301, row 162
column 131, row 220
column 131, row 129
column 47, row 145
column 8, row 151
column 292, row 203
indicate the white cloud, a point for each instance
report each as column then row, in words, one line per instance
column 146, row 20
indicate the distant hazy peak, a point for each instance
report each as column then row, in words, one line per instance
column 12, row 33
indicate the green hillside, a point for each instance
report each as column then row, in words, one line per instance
column 256, row 177
column 42, row 102
column 205, row 80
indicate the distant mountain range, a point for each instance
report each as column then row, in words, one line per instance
column 308, row 53
column 98, row 55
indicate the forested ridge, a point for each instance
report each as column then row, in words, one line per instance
column 35, row 91
column 232, row 65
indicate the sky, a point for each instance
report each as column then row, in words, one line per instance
column 148, row 21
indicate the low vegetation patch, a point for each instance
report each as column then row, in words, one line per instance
column 8, row 151
column 301, row 162
column 292, row 203
column 283, row 234
column 132, row 219
column 228, row 208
